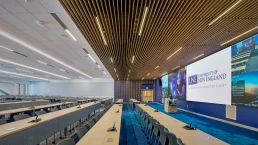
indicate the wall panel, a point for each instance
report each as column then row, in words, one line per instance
column 130, row 89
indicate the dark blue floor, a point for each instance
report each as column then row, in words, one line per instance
column 131, row 133
column 228, row 133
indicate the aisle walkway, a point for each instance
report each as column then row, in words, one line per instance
column 231, row 134
column 131, row 133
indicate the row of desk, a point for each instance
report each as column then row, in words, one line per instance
column 189, row 137
column 98, row 134
column 132, row 102
column 6, row 112
column 23, row 132
column 19, row 104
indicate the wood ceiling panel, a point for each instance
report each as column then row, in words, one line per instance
column 169, row 25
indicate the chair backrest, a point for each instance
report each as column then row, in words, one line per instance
column 95, row 119
column 54, row 109
column 163, row 136
column 89, row 124
column 40, row 112
column 81, row 131
column 179, row 141
column 20, row 117
column 156, row 128
column 172, row 139
column 63, row 107
column 2, row 121
column 67, row 141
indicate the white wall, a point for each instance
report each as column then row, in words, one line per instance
column 89, row 88
column 6, row 84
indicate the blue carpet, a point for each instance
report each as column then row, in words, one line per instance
column 131, row 133
column 228, row 133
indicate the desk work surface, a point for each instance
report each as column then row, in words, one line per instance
column 13, row 127
column 29, row 108
column 98, row 134
column 189, row 137
column 119, row 101
column 17, row 102
column 135, row 101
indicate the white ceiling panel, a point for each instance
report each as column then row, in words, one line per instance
column 52, row 6
column 33, row 6
column 13, row 6
column 11, row 19
column 3, row 10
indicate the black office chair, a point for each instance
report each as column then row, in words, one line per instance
column 20, row 117
column 67, row 141
column 81, row 131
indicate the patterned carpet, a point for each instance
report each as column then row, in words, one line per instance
column 131, row 133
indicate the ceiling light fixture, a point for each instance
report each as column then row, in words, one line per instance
column 6, row 48
column 16, row 76
column 115, row 69
column 142, row 78
column 7, row 72
column 101, row 31
column 143, row 20
column 157, row 67
column 98, row 65
column 42, row 62
column 91, row 58
column 174, row 53
column 62, row 70
column 129, row 71
column 70, row 34
column 24, row 70
column 111, row 59
column 104, row 72
column 175, row 67
column 32, row 68
column 148, row 74
column 3, row 33
column 133, row 59
column 239, row 36
column 225, row 12
column 116, row 75
column 164, row 73
column 198, row 56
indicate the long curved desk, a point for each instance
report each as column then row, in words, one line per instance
column 189, row 137
column 27, row 133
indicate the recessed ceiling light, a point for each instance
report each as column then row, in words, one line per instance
column 225, row 12
column 32, row 68
column 198, row 56
column 16, row 76
column 111, row 59
column 70, row 34
column 7, row 72
column 104, row 72
column 148, row 74
column 129, row 71
column 174, row 53
column 115, row 69
column 133, row 59
column 98, row 66
column 164, row 73
column 6, row 48
column 42, row 62
column 142, row 78
column 157, row 67
column 143, row 21
column 24, row 70
column 239, row 36
column 116, row 75
column 91, row 57
column 175, row 67
column 3, row 33
column 101, row 31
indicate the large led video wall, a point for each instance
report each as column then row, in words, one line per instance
column 229, row 76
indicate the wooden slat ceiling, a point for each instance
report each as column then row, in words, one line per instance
column 169, row 25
